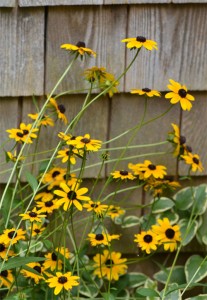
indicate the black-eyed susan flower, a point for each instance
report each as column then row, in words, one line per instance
column 102, row 238
column 123, row 175
column 149, row 169
column 71, row 195
column 115, row 211
column 6, row 278
column 46, row 195
column 68, row 154
column 95, row 74
column 107, row 81
column 136, row 170
column 71, row 179
column 5, row 252
column 36, row 276
column 13, row 156
column 140, row 41
column 167, row 234
column 53, row 260
column 177, row 140
column 86, row 143
column 158, row 186
column 33, row 216
column 63, row 281
column 179, row 93
column 37, row 229
column 45, row 120
column 59, row 110
column 12, row 236
column 109, row 265
column 96, row 206
column 54, row 177
column 47, row 206
column 146, row 91
column 23, row 134
column 194, row 161
column 78, row 49
column 147, row 241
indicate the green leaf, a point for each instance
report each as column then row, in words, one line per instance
column 192, row 229
column 200, row 199
column 17, row 262
column 201, row 233
column 130, row 221
column 162, row 204
column 31, row 180
column 195, row 268
column 90, row 290
column 184, row 198
column 199, row 297
column 177, row 276
column 107, row 296
column 173, row 292
column 136, row 279
column 171, row 215
column 147, row 292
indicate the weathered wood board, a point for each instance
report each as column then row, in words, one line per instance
column 7, row 3
column 101, row 28
column 21, row 51
column 58, row 2
column 180, row 31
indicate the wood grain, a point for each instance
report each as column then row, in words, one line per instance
column 58, row 2
column 7, row 3
column 136, row 1
column 101, row 28
column 179, row 31
column 21, row 51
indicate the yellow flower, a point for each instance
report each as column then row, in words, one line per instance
column 79, row 49
column 37, row 229
column 123, row 175
column 47, row 206
column 146, row 91
column 13, row 156
column 107, row 81
column 67, row 154
column 24, row 134
column 59, row 109
column 140, row 41
column 12, row 236
column 85, row 142
column 149, row 169
column 167, row 234
column 194, row 161
column 159, row 185
column 4, row 252
column 115, row 211
column 147, row 241
column 6, row 278
column 29, row 274
column 53, row 260
column 45, row 120
column 109, row 265
column 136, row 170
column 102, row 238
column 179, row 94
column 71, row 195
column 33, row 215
column 96, row 207
column 54, row 177
column 62, row 281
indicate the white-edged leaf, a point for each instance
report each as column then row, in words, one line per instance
column 175, row 294
column 184, row 198
column 200, row 199
column 136, row 279
column 162, row 204
column 177, row 276
column 171, row 215
column 188, row 232
column 130, row 221
column 195, row 268
column 201, row 233
column 199, row 297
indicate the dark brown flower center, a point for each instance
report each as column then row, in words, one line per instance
column 189, row 148
column 49, row 203
column 170, row 233
column 33, row 214
column 2, row 247
column 146, row 90
column 124, row 173
column 85, row 140
column 152, row 167
column 182, row 139
column 62, row 279
column 182, row 93
column 114, row 210
column 25, row 132
column 61, row 108
column 109, row 263
column 4, row 273
column 37, row 230
column 147, row 238
column 20, row 134
column 94, row 205
column 81, row 44
column 55, row 173
column 196, row 160
column 141, row 39
column 99, row 237
column 54, row 257
column 72, row 195
column 38, row 269
column 12, row 234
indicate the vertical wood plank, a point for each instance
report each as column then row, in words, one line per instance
column 21, row 51
column 9, row 119
column 127, row 112
column 101, row 28
column 7, row 3
column 179, row 31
